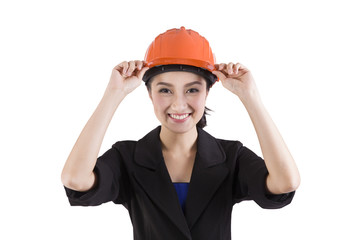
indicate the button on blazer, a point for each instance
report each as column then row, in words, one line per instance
column 134, row 174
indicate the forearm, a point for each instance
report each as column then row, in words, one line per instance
column 78, row 173
column 283, row 173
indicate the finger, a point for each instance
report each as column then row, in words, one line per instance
column 138, row 64
column 120, row 67
column 124, row 65
column 219, row 74
column 230, row 68
column 237, row 67
column 131, row 68
column 242, row 67
column 220, row 66
column 142, row 72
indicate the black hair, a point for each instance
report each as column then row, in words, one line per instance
column 202, row 123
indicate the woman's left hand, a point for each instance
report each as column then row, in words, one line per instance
column 237, row 79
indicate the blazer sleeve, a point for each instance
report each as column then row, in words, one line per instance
column 110, row 182
column 251, row 177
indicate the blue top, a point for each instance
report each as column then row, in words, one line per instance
column 182, row 190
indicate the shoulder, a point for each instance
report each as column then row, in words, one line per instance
column 126, row 148
column 129, row 148
column 232, row 148
column 229, row 143
column 125, row 144
column 229, row 147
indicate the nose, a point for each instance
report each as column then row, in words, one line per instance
column 179, row 103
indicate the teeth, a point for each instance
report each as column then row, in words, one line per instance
column 179, row 116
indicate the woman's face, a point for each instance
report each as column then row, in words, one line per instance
column 179, row 99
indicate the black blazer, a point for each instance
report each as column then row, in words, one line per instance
column 133, row 173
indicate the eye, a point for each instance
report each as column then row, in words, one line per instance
column 193, row 90
column 164, row 90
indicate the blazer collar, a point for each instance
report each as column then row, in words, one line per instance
column 148, row 152
column 207, row 175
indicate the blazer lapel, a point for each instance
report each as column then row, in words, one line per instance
column 207, row 175
column 155, row 180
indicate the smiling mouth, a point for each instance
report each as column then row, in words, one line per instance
column 179, row 116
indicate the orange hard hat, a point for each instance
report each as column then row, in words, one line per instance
column 180, row 50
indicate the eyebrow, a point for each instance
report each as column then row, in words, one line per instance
column 186, row 85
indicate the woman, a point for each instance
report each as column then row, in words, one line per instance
column 179, row 182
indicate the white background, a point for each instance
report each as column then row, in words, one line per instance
column 55, row 61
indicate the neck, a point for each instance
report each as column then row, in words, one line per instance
column 178, row 142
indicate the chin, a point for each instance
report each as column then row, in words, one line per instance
column 178, row 129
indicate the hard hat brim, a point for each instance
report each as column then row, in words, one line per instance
column 179, row 68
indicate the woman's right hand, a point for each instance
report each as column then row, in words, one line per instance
column 126, row 77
